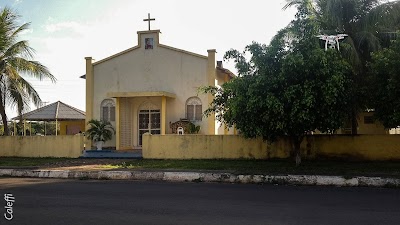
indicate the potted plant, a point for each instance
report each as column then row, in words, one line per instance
column 100, row 131
column 193, row 129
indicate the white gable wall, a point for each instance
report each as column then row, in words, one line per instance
column 161, row 70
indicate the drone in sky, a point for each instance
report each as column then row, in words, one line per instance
column 332, row 41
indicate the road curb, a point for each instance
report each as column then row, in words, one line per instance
column 207, row 177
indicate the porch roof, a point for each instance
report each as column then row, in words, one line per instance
column 140, row 94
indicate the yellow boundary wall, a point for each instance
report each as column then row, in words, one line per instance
column 69, row 146
column 361, row 147
column 201, row 147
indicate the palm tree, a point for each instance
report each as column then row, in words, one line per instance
column 16, row 59
column 367, row 23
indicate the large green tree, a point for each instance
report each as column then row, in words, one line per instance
column 16, row 61
column 369, row 25
column 385, row 84
column 288, row 88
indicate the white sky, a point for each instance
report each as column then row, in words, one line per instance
column 63, row 32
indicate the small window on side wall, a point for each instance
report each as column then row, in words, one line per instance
column 107, row 110
column 194, row 109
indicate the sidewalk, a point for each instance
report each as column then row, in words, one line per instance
column 198, row 176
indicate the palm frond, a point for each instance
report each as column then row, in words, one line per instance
column 20, row 49
column 366, row 42
column 381, row 16
column 20, row 29
column 349, row 51
column 32, row 68
column 20, row 92
column 308, row 5
column 291, row 3
column 16, row 97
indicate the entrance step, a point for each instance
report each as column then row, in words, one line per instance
column 112, row 154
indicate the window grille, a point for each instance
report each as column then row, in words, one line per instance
column 194, row 109
column 108, row 110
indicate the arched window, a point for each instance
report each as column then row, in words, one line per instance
column 194, row 109
column 107, row 111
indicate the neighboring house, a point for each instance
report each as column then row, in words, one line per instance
column 224, row 75
column 366, row 125
column 68, row 119
column 147, row 87
column 394, row 130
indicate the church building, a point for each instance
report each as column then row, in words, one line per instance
column 147, row 87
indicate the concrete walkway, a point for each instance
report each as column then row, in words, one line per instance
column 201, row 176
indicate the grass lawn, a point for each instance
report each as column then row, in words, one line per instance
column 273, row 167
column 16, row 161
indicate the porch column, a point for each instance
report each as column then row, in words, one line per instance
column 89, row 91
column 117, row 124
column 15, row 129
column 24, row 128
column 163, row 114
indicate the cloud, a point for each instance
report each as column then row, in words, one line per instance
column 64, row 26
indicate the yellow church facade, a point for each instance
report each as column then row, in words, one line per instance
column 146, row 88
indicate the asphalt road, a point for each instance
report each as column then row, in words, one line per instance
column 52, row 202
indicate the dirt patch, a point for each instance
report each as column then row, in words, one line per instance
column 82, row 164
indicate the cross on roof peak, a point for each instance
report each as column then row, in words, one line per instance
column 149, row 19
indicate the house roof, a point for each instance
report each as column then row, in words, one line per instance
column 220, row 68
column 54, row 111
column 226, row 71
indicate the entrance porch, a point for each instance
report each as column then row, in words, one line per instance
column 138, row 113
